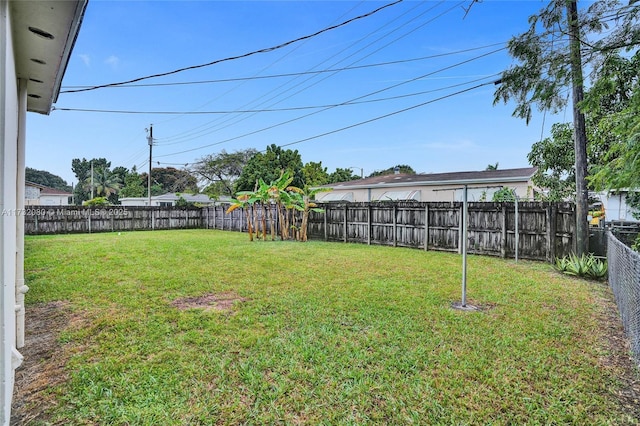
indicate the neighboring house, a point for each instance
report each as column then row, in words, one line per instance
column 615, row 206
column 40, row 195
column 166, row 200
column 36, row 39
column 433, row 186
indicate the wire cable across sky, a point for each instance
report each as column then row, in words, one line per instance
column 244, row 55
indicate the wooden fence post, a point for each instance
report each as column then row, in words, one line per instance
column 552, row 214
column 503, row 238
column 345, row 222
column 369, row 225
column 426, row 227
column 326, row 231
column 395, row 225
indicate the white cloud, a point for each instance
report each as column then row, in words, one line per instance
column 112, row 61
column 86, row 59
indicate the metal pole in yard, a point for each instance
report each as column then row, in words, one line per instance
column 464, row 247
column 517, row 239
column 150, row 141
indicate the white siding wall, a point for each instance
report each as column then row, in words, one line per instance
column 436, row 193
column 54, row 200
column 31, row 192
column 9, row 357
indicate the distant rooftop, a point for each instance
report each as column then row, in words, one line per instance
column 47, row 190
column 401, row 179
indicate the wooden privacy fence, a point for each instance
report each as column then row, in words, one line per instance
column 81, row 219
column 544, row 230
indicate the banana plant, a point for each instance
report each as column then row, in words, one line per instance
column 245, row 201
column 308, row 205
column 262, row 195
column 278, row 193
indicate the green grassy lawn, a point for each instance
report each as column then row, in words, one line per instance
column 321, row 333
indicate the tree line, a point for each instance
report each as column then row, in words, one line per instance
column 222, row 174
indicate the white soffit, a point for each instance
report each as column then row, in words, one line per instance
column 44, row 33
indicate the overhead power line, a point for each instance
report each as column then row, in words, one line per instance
column 252, row 111
column 335, row 131
column 371, row 120
column 245, row 55
column 279, row 94
column 294, row 74
column 332, row 106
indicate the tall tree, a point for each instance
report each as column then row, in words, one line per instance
column 402, row 168
column 555, row 159
column 269, row 166
column 614, row 102
column 314, row 174
column 342, row 175
column 82, row 170
column 105, row 184
column 45, row 178
column 492, row 167
column 220, row 171
column 170, row 179
column 133, row 185
column 550, row 63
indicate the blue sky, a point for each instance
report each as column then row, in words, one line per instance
column 123, row 40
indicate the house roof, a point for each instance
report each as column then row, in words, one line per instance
column 191, row 198
column 54, row 191
column 432, row 179
column 44, row 33
column 172, row 196
column 47, row 190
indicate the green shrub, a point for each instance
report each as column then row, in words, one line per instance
column 96, row 202
column 586, row 266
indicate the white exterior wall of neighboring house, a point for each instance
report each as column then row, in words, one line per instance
column 453, row 192
column 165, row 200
column 39, row 195
column 616, row 207
column 420, row 188
column 54, row 200
column 31, row 194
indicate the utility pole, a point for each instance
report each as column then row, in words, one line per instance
column 150, row 140
column 92, row 179
column 579, row 129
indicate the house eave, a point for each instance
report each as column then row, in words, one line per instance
column 456, row 182
column 44, row 33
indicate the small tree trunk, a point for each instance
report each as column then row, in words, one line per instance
column 303, row 225
column 264, row 223
column 272, row 223
column 256, row 222
column 249, row 227
column 281, row 216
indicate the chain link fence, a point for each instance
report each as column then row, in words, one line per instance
column 624, row 279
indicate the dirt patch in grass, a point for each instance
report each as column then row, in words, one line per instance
column 222, row 302
column 45, row 357
column 472, row 306
column 43, row 364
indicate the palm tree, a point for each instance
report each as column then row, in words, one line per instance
column 492, row 167
column 104, row 182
